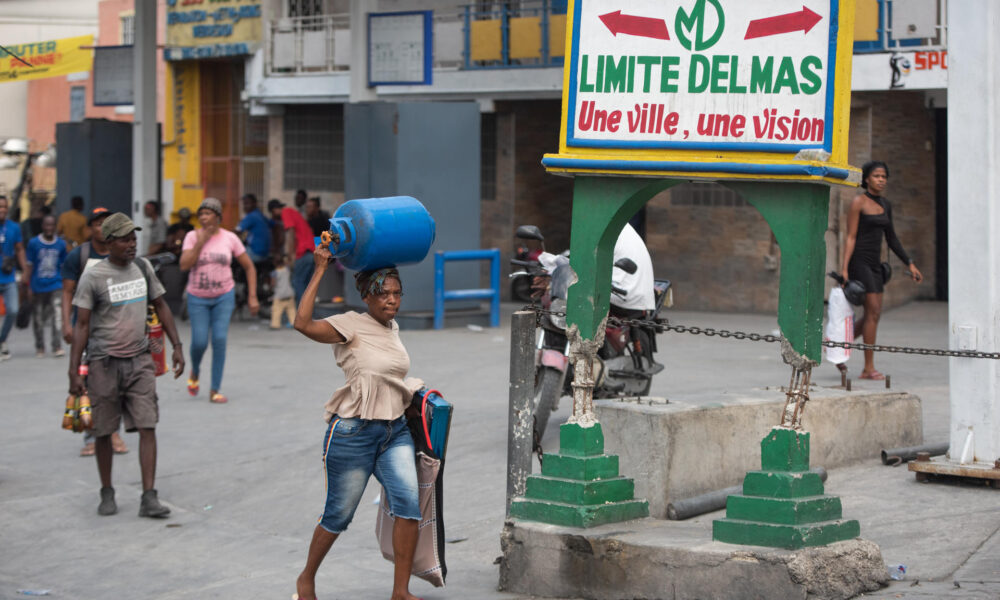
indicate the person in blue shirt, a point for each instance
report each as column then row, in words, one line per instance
column 11, row 255
column 46, row 255
column 257, row 228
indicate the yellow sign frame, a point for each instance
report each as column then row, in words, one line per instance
column 815, row 165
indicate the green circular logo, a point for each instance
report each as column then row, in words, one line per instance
column 690, row 27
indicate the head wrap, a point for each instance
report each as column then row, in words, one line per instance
column 372, row 282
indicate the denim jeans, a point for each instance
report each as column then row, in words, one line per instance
column 354, row 450
column 302, row 272
column 10, row 298
column 210, row 315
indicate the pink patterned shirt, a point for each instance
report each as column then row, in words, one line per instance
column 212, row 275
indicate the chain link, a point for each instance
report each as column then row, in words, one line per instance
column 661, row 326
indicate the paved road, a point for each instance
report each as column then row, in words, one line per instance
column 245, row 479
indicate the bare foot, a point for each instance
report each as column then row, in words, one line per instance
column 306, row 588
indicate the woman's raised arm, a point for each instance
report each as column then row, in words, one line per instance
column 317, row 330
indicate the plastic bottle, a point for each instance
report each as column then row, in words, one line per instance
column 86, row 417
column 70, row 415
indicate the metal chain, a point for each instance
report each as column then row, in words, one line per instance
column 661, row 326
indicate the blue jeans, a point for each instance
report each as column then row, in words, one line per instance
column 302, row 272
column 210, row 314
column 10, row 298
column 354, row 450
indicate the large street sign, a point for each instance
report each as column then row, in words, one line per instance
column 711, row 89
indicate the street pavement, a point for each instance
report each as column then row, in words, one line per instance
column 245, row 480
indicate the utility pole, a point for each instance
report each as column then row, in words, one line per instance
column 145, row 146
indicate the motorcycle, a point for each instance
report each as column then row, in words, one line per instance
column 520, row 287
column 625, row 364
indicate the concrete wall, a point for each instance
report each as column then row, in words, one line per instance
column 973, row 227
column 675, row 451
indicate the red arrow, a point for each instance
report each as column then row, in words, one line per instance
column 617, row 23
column 803, row 20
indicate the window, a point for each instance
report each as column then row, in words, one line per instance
column 697, row 193
column 314, row 147
column 488, row 156
column 305, row 8
column 77, row 103
column 127, row 30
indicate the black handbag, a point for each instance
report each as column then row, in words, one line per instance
column 7, row 265
column 886, row 272
column 23, row 315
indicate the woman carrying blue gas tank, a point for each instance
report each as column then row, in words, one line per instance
column 366, row 433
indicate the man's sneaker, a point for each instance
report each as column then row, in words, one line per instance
column 108, row 506
column 4, row 352
column 151, row 507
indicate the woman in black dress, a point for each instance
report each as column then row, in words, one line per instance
column 869, row 220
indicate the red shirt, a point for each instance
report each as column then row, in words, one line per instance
column 294, row 220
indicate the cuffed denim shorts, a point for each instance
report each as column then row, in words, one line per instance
column 354, row 450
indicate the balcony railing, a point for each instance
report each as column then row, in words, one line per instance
column 532, row 33
column 309, row 44
column 465, row 37
column 888, row 25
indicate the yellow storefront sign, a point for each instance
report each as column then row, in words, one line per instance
column 212, row 28
column 53, row 58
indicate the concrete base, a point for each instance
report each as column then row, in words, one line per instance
column 678, row 450
column 654, row 559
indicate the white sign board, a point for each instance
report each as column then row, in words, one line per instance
column 926, row 70
column 113, row 75
column 400, row 48
column 703, row 75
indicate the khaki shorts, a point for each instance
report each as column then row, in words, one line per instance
column 123, row 387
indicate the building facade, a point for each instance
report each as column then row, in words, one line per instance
column 508, row 56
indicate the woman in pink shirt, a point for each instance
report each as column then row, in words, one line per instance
column 208, row 254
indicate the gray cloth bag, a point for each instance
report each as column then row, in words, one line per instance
column 428, row 560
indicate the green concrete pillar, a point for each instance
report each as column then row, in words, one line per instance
column 797, row 214
column 784, row 505
column 580, row 485
column 601, row 207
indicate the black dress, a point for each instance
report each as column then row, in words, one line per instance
column 866, row 261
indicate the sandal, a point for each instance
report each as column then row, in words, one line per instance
column 218, row 398
column 193, row 386
column 872, row 375
column 88, row 449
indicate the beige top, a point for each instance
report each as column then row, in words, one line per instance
column 375, row 364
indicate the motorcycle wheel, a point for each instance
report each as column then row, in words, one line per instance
column 548, row 389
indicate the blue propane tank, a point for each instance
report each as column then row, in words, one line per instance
column 379, row 232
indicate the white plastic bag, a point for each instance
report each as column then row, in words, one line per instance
column 839, row 326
